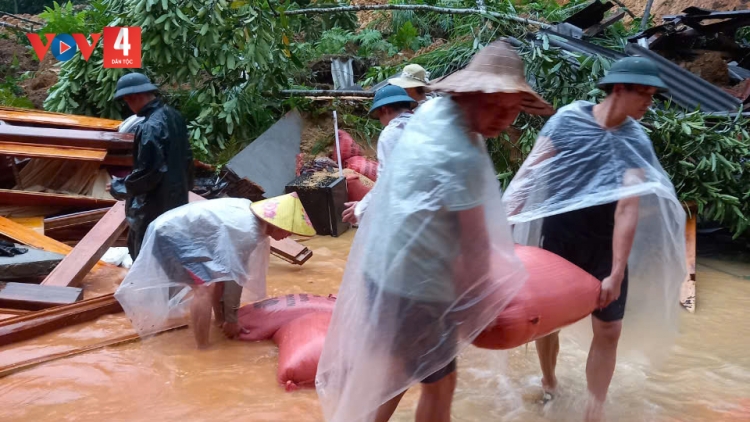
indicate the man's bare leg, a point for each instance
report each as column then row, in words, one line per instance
column 436, row 399
column 385, row 411
column 547, row 349
column 218, row 292
column 200, row 314
column 600, row 365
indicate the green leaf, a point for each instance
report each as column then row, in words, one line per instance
column 686, row 128
column 165, row 4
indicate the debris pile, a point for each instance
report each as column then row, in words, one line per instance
column 60, row 230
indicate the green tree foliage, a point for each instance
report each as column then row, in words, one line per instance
column 227, row 56
column 31, row 7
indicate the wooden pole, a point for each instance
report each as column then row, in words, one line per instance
column 326, row 93
column 419, row 7
column 646, row 15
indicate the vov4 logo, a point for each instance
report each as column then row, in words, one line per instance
column 122, row 46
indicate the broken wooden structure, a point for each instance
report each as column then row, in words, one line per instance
column 54, row 203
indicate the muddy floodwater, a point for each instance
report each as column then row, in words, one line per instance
column 166, row 379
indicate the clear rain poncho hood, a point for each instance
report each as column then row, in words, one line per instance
column 217, row 240
column 434, row 236
column 576, row 164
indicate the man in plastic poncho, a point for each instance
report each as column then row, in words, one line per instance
column 210, row 248
column 433, row 262
column 585, row 178
column 162, row 172
column 392, row 106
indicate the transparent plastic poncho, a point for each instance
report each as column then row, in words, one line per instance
column 216, row 240
column 434, row 238
column 576, row 164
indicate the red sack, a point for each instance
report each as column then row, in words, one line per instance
column 260, row 320
column 300, row 346
column 349, row 148
column 357, row 185
column 557, row 294
column 368, row 168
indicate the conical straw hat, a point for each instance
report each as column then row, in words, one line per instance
column 495, row 68
column 285, row 212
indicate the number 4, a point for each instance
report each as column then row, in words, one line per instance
column 121, row 43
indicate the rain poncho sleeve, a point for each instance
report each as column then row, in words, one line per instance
column 575, row 165
column 430, row 267
column 387, row 140
column 213, row 241
column 162, row 172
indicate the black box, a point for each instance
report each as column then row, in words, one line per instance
column 323, row 198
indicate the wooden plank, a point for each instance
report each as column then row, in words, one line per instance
column 32, row 325
column 33, row 223
column 22, row 197
column 90, row 249
column 47, row 118
column 286, row 249
column 76, row 219
column 118, row 160
column 34, row 297
column 30, row 363
column 291, row 251
column 7, row 311
column 70, row 137
column 16, row 149
column 29, row 237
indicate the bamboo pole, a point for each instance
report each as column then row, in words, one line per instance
column 30, row 363
column 419, row 7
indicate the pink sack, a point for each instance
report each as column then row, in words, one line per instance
column 261, row 320
column 557, row 294
column 349, row 147
column 368, row 168
column 300, row 346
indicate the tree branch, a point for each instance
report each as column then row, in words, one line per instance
column 326, row 93
column 422, row 7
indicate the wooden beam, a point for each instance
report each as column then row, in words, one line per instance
column 76, row 219
column 16, row 149
column 47, row 118
column 286, row 249
column 67, row 137
column 22, row 197
column 34, row 297
column 687, row 291
column 90, row 249
column 32, row 325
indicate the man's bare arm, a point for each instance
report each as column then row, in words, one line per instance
column 626, row 221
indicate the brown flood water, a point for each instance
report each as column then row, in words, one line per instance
column 166, row 379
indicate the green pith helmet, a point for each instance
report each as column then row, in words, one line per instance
column 133, row 83
column 390, row 94
column 636, row 71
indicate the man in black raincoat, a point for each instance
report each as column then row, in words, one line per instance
column 163, row 162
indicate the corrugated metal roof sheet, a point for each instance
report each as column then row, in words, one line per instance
column 584, row 47
column 685, row 88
